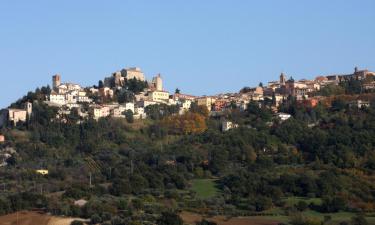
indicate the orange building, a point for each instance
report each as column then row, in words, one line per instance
column 312, row 102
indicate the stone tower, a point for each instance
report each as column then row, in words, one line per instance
column 158, row 82
column 282, row 78
column 56, row 81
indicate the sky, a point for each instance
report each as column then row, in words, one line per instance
column 200, row 47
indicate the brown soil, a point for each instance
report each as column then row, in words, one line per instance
column 33, row 218
column 192, row 218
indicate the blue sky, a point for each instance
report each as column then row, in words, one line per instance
column 201, row 47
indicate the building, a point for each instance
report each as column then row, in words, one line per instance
column 157, row 83
column 129, row 106
column 282, row 79
column 106, row 92
column 283, row 116
column 227, row 125
column 17, row 115
column 145, row 103
column 205, row 101
column 220, row 105
column 116, row 80
column 42, row 172
column 133, row 72
column 56, row 81
column 56, row 98
column 139, row 113
column 359, row 104
column 179, row 97
column 158, row 96
column 369, row 86
column 100, row 111
column 311, row 102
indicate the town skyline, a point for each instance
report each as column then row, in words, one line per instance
column 196, row 46
column 148, row 77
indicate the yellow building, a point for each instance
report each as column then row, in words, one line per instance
column 205, row 101
column 158, row 96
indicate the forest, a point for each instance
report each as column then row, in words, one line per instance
column 145, row 171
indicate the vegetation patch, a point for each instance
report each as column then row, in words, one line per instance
column 205, row 188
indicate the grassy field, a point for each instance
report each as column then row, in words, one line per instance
column 205, row 188
column 290, row 201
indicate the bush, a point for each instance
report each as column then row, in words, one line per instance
column 76, row 222
column 169, row 218
column 359, row 220
column 302, row 206
column 95, row 219
column 206, row 222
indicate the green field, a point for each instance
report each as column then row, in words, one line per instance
column 291, row 201
column 205, row 188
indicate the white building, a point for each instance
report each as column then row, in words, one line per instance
column 283, row 116
column 129, row 106
column 58, row 99
column 227, row 125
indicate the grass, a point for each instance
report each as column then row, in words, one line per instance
column 205, row 188
column 290, row 201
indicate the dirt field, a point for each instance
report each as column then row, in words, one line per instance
column 33, row 218
column 191, row 218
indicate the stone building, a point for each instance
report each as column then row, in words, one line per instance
column 205, row 101
column 157, row 83
column 17, row 115
column 56, row 81
column 133, row 72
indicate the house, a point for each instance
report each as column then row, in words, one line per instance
column 283, row 116
column 359, row 104
column 158, row 96
column 17, row 115
column 227, row 125
column 100, row 111
column 219, row 105
column 42, row 172
column 57, row 98
column 205, row 101
column 129, row 106
column 311, row 102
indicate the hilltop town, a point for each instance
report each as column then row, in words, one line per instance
column 128, row 150
column 128, row 93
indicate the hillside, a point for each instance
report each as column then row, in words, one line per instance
column 316, row 165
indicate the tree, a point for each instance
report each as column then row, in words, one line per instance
column 177, row 91
column 129, row 116
column 101, row 84
column 260, row 84
column 169, row 218
column 359, row 220
column 205, row 222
